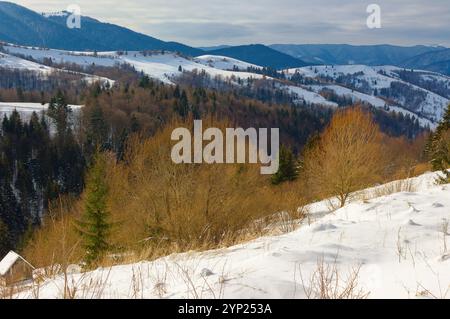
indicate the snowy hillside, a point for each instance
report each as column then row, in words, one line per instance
column 12, row 62
column 380, row 80
column 392, row 245
column 224, row 63
column 308, row 96
column 359, row 97
column 381, row 86
column 161, row 66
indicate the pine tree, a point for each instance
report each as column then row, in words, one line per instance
column 145, row 82
column 97, row 130
column 59, row 111
column 94, row 227
column 4, row 239
column 438, row 147
column 182, row 105
column 288, row 169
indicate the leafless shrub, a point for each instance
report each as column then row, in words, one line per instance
column 326, row 283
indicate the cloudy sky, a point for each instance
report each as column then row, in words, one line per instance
column 214, row 22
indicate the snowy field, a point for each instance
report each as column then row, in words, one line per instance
column 389, row 245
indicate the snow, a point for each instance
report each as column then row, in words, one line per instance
column 166, row 67
column 380, row 77
column 161, row 66
column 7, row 262
column 224, row 63
column 309, row 96
column 372, row 100
column 12, row 62
column 26, row 109
column 398, row 240
column 355, row 95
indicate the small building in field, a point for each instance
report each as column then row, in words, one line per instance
column 14, row 269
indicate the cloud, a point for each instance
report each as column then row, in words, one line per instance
column 191, row 32
column 210, row 22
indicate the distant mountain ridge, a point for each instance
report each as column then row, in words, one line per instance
column 22, row 26
column 25, row 27
column 436, row 61
column 260, row 55
column 353, row 54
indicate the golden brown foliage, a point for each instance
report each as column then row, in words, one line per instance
column 158, row 207
column 348, row 156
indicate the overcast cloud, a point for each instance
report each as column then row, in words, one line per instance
column 214, row 22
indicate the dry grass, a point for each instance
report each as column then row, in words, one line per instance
column 326, row 282
column 159, row 208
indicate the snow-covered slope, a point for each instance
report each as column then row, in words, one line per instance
column 224, row 63
column 399, row 242
column 13, row 62
column 359, row 97
column 162, row 66
column 372, row 80
column 309, row 96
column 368, row 82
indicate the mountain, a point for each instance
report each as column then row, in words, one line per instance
column 436, row 61
column 418, row 94
column 261, row 55
column 22, row 26
column 350, row 54
column 216, row 47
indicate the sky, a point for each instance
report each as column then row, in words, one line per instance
column 234, row 22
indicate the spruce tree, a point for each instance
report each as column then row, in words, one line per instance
column 288, row 169
column 96, row 130
column 4, row 239
column 182, row 105
column 438, row 147
column 95, row 227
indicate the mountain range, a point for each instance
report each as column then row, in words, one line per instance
column 22, row 26
column 352, row 54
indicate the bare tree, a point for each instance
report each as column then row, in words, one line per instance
column 347, row 157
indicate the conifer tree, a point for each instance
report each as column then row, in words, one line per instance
column 288, row 169
column 59, row 111
column 94, row 227
column 438, row 147
column 4, row 239
column 182, row 105
column 97, row 130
